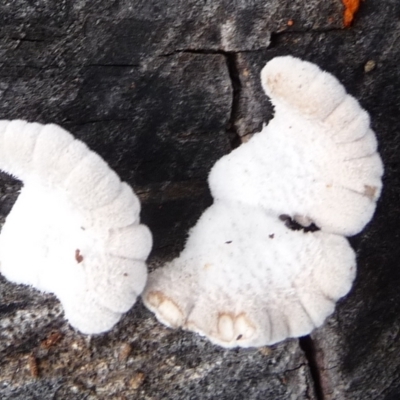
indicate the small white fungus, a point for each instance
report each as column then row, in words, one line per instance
column 247, row 279
column 74, row 230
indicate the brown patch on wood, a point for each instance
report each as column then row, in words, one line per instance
column 290, row 22
column 33, row 366
column 78, row 256
column 369, row 191
column 265, row 351
column 284, row 380
column 369, row 66
column 137, row 380
column 51, row 340
column 124, row 352
column 245, row 138
column 351, row 8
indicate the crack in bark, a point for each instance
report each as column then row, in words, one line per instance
column 295, row 368
column 231, row 62
column 234, row 75
column 112, row 65
column 307, row 345
column 27, row 39
column 96, row 121
column 211, row 51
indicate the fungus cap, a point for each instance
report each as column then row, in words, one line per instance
column 245, row 278
column 75, row 229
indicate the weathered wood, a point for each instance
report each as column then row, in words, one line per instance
column 161, row 91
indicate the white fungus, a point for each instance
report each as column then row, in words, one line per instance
column 245, row 278
column 74, row 230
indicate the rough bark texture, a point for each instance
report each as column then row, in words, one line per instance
column 162, row 90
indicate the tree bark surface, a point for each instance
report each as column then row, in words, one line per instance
column 161, row 90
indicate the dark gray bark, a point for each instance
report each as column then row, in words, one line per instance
column 161, row 91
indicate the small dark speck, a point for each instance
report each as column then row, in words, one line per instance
column 272, row 235
column 239, row 337
column 229, row 242
column 284, row 217
column 78, row 256
column 125, row 274
column 82, row 228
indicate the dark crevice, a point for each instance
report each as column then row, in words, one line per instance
column 10, row 308
column 307, row 345
column 193, row 51
column 302, row 365
column 96, row 121
column 275, row 36
column 234, row 75
column 26, row 39
column 231, row 61
column 211, row 51
column 113, row 65
column 293, row 31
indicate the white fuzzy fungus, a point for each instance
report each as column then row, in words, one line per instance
column 244, row 277
column 74, row 229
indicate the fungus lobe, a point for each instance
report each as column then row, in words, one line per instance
column 74, row 229
column 304, row 181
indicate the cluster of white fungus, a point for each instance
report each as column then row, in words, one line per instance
column 247, row 279
column 74, row 229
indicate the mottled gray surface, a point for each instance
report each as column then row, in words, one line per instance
column 161, row 91
column 139, row 359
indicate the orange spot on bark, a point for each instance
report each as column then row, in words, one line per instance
column 290, row 22
column 351, row 7
column 33, row 366
column 51, row 340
